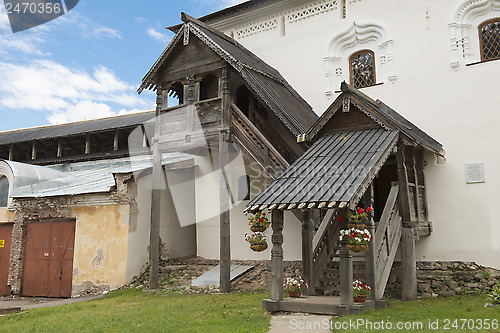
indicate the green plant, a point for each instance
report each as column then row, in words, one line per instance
column 359, row 215
column 256, row 238
column 494, row 295
column 294, row 284
column 258, row 219
column 359, row 288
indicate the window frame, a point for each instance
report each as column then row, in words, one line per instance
column 480, row 35
column 351, row 72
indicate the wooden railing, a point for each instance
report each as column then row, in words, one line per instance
column 387, row 238
column 190, row 124
column 254, row 143
column 325, row 239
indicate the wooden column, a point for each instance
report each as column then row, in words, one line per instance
column 307, row 255
column 87, row 144
column 408, row 255
column 370, row 258
column 11, row 152
column 116, row 140
column 346, row 273
column 277, row 255
column 154, row 235
column 224, row 219
column 59, row 147
column 33, row 150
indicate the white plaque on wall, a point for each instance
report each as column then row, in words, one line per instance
column 474, row 173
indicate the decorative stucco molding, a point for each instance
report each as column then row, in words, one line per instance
column 291, row 16
column 357, row 36
column 463, row 25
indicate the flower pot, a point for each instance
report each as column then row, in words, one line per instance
column 294, row 293
column 357, row 247
column 258, row 228
column 359, row 226
column 360, row 298
column 258, row 247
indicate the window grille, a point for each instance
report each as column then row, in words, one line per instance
column 489, row 35
column 362, row 69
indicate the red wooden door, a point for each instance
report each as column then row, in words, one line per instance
column 48, row 261
column 5, row 239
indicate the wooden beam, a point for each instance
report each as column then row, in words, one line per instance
column 322, row 205
column 332, row 204
column 282, row 206
column 277, row 255
column 11, row 152
column 273, row 206
column 346, row 272
column 292, row 206
column 408, row 265
column 33, row 150
column 154, row 235
column 302, row 205
column 225, row 223
column 370, row 255
column 262, row 207
column 87, row 144
column 59, row 147
column 116, row 139
column 307, row 254
column 311, row 205
column 343, row 204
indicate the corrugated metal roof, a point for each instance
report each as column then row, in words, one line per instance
column 337, row 168
column 265, row 81
column 78, row 178
column 80, row 127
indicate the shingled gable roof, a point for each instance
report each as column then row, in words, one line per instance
column 380, row 113
column 262, row 79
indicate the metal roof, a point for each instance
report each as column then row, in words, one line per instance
column 80, row 127
column 337, row 168
column 30, row 181
column 262, row 79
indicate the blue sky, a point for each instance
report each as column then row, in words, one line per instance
column 87, row 63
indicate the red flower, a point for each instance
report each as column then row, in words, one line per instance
column 261, row 220
column 369, row 209
column 339, row 219
column 263, row 213
column 360, row 210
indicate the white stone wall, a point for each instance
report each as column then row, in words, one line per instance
column 424, row 77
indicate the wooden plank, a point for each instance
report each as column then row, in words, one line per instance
column 408, row 265
column 320, row 233
column 386, row 214
column 385, row 269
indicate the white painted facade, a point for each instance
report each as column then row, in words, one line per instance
column 426, row 63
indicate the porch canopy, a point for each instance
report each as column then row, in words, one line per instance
column 336, row 170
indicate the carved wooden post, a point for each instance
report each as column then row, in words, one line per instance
column 59, row 147
column 277, row 255
column 408, row 255
column 346, row 274
column 116, row 140
column 11, row 152
column 87, row 144
column 225, row 222
column 33, row 150
column 154, row 244
column 307, row 259
column 370, row 259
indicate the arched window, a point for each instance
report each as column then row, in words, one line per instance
column 176, row 94
column 489, row 37
column 4, row 191
column 209, row 87
column 362, row 69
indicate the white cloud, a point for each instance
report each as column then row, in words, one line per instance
column 86, row 27
column 158, row 36
column 139, row 19
column 69, row 94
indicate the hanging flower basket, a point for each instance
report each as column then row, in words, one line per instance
column 355, row 240
column 358, row 218
column 257, row 241
column 358, row 248
column 258, row 222
column 360, row 226
column 258, row 247
column 258, row 228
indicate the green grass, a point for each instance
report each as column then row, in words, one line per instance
column 132, row 310
column 457, row 314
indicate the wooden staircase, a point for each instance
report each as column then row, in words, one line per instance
column 387, row 237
